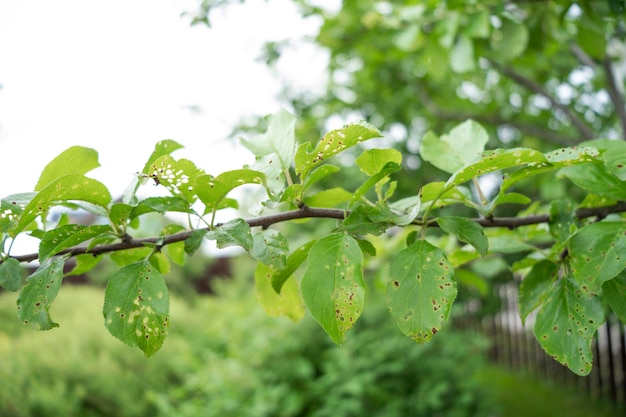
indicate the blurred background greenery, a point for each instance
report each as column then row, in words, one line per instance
column 225, row 357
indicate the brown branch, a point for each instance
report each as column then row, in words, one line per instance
column 616, row 97
column 495, row 119
column 531, row 85
column 313, row 212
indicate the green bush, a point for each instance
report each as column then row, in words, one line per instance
column 225, row 357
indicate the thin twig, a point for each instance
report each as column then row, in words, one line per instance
column 529, row 129
column 531, row 85
column 616, row 97
column 313, row 212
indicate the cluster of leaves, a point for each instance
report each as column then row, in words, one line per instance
column 573, row 265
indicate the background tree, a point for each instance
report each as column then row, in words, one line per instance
column 434, row 211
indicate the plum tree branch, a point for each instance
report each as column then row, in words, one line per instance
column 315, row 212
column 614, row 93
column 535, row 87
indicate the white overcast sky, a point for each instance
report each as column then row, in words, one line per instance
column 118, row 76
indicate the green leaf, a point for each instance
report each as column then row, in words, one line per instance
column 615, row 294
column 331, row 197
column 178, row 176
column 373, row 161
column 331, row 144
column 478, row 25
column 84, row 264
column 271, row 248
column 596, row 179
column 598, row 253
column 74, row 160
column 462, row 55
column 278, row 142
column 10, row 275
column 466, row 231
column 176, row 251
column 495, row 160
column 462, row 145
column 559, row 158
column 194, row 241
column 562, row 220
column 160, row 205
column 67, row 188
column 280, row 276
column 129, row 256
column 614, row 157
column 387, row 170
column 234, row 233
column 164, row 147
column 136, row 307
column 212, row 190
column 510, row 41
column 535, row 286
column 472, row 281
column 360, row 222
column 11, row 208
column 42, row 287
column 333, row 286
column 64, row 237
column 566, row 323
column 286, row 303
column 319, row 173
column 421, row 290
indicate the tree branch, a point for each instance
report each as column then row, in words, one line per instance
column 495, row 119
column 531, row 85
column 313, row 212
column 614, row 93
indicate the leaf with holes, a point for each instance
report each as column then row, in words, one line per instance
column 10, row 274
column 75, row 160
column 213, row 190
column 597, row 254
column 42, row 287
column 331, row 144
column 286, row 303
column 535, row 286
column 136, row 306
column 164, row 147
column 495, row 160
column 271, row 248
column 566, row 323
column 66, row 188
column 614, row 292
column 70, row 235
column 178, row 176
column 11, row 207
column 421, row 290
column 333, row 286
column 466, row 231
column 461, row 146
column 557, row 159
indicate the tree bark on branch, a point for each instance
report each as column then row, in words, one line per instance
column 312, row 212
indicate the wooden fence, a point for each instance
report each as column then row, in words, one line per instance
column 515, row 346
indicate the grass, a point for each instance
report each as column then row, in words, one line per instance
column 523, row 395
